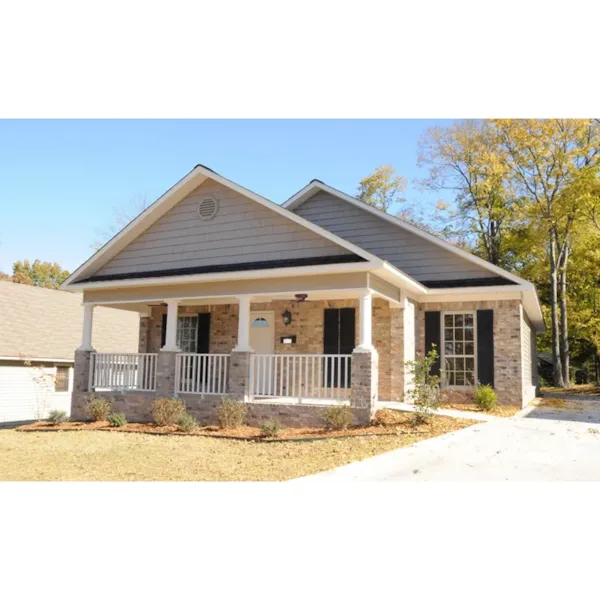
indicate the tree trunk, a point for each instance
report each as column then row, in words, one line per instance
column 564, row 330
column 557, row 378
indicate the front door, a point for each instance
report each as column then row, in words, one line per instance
column 262, row 341
column 262, row 331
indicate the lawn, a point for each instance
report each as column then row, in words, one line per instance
column 119, row 456
column 585, row 389
column 501, row 410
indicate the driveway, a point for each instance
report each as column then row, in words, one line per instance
column 558, row 440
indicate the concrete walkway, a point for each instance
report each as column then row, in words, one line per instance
column 557, row 441
column 448, row 412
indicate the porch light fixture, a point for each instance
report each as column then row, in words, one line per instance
column 286, row 317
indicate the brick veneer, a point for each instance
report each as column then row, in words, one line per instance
column 508, row 380
column 306, row 325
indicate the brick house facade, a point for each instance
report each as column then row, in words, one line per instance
column 210, row 246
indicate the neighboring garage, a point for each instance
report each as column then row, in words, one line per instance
column 39, row 332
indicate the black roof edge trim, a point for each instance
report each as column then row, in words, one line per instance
column 478, row 282
column 232, row 268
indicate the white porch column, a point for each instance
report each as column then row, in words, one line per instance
column 171, row 334
column 365, row 336
column 243, row 344
column 88, row 319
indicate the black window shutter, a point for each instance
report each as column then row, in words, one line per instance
column 433, row 336
column 347, row 330
column 485, row 347
column 330, row 330
column 163, row 333
column 203, row 341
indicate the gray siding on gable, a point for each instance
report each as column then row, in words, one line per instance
column 242, row 231
column 419, row 258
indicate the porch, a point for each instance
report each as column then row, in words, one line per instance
column 267, row 351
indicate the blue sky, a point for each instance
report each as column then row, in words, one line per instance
column 60, row 180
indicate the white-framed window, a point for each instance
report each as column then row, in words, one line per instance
column 187, row 333
column 61, row 380
column 459, row 348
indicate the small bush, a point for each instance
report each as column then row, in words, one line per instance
column 337, row 417
column 231, row 413
column 187, row 423
column 425, row 393
column 387, row 418
column 485, row 397
column 270, row 428
column 117, row 420
column 56, row 417
column 167, row 411
column 98, row 408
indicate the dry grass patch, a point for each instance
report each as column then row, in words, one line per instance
column 88, row 455
column 559, row 404
column 587, row 389
column 501, row 410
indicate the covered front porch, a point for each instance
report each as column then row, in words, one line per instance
column 302, row 347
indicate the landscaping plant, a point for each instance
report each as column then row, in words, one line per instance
column 167, row 411
column 231, row 413
column 386, row 417
column 270, row 428
column 485, row 397
column 56, row 417
column 117, row 420
column 425, row 393
column 187, row 423
column 337, row 417
column 98, row 408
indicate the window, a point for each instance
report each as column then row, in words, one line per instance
column 260, row 322
column 458, row 351
column 187, row 333
column 61, row 381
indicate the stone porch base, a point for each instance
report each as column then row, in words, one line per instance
column 137, row 408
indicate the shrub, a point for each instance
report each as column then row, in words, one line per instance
column 270, row 427
column 231, row 413
column 187, row 423
column 56, row 417
column 167, row 411
column 337, row 417
column 485, row 397
column 425, row 393
column 98, row 408
column 386, row 417
column 117, row 420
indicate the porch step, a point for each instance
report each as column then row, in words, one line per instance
column 447, row 412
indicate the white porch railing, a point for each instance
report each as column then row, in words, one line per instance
column 123, row 372
column 201, row 373
column 301, row 376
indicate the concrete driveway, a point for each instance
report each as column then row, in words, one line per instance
column 557, row 441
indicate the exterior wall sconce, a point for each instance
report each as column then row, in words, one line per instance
column 286, row 317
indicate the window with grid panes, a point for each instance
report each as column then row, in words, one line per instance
column 459, row 349
column 187, row 333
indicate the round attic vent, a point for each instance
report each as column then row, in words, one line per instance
column 208, row 208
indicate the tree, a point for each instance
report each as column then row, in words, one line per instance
column 41, row 274
column 382, row 188
column 553, row 162
column 466, row 160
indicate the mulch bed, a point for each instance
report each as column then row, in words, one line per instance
column 401, row 423
column 501, row 410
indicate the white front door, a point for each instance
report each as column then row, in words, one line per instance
column 262, row 331
column 262, row 341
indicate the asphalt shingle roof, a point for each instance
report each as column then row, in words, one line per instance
column 42, row 323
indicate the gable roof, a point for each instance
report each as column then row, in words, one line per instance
column 316, row 185
column 175, row 194
column 47, row 324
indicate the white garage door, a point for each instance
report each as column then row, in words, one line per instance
column 28, row 393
